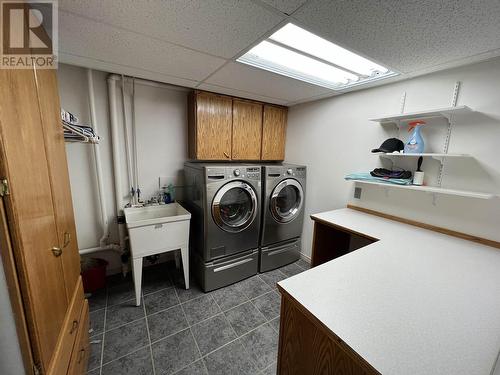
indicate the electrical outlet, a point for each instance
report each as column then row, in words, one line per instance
column 357, row 192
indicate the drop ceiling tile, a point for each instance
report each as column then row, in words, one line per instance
column 240, row 94
column 104, row 66
column 285, row 6
column 407, row 35
column 218, row 27
column 261, row 82
column 83, row 37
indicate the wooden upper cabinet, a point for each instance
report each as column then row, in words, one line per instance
column 247, row 130
column 30, row 211
column 48, row 96
column 274, row 133
column 225, row 128
column 210, row 122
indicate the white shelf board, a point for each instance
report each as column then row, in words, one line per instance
column 422, row 115
column 433, row 189
column 427, row 154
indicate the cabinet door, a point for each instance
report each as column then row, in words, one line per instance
column 274, row 133
column 213, row 126
column 30, row 212
column 48, row 96
column 247, row 130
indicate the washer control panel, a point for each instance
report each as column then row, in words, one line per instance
column 253, row 173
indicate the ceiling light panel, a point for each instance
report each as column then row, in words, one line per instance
column 298, row 53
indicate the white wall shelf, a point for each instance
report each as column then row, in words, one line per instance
column 437, row 156
column 430, row 154
column 433, row 190
column 404, row 118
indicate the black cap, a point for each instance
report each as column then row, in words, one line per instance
column 390, row 145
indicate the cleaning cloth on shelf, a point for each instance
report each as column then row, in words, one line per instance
column 388, row 173
column 369, row 177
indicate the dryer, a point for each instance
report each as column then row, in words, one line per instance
column 225, row 201
column 282, row 215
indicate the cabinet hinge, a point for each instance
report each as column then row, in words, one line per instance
column 37, row 369
column 4, row 187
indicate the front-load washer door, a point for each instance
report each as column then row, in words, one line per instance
column 286, row 201
column 234, row 207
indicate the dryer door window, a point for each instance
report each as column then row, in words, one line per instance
column 234, row 206
column 286, row 200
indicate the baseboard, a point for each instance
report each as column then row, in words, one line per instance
column 305, row 257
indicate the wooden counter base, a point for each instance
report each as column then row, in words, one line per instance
column 306, row 346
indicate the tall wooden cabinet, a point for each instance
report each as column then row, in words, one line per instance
column 44, row 258
column 225, row 128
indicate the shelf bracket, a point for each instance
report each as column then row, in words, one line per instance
column 456, row 90
column 434, row 201
column 402, row 103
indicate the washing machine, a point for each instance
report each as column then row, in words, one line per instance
column 224, row 201
column 282, row 215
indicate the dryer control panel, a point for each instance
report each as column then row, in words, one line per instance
column 300, row 172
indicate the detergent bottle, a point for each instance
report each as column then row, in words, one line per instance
column 415, row 144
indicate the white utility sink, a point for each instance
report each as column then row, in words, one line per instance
column 157, row 229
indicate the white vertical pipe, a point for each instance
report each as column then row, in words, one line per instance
column 116, row 157
column 127, row 143
column 134, row 140
column 98, row 163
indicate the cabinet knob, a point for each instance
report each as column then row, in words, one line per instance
column 56, row 251
column 226, row 155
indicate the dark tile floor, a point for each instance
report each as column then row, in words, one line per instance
column 233, row 330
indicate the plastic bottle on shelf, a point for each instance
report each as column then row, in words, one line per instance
column 415, row 144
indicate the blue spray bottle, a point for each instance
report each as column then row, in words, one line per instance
column 415, row 144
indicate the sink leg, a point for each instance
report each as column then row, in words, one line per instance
column 185, row 264
column 137, row 273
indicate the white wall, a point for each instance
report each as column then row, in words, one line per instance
column 333, row 137
column 161, row 118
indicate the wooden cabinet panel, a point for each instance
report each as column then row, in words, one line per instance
column 81, row 350
column 307, row 347
column 247, row 130
column 274, row 133
column 30, row 211
column 72, row 323
column 12, row 277
column 48, row 96
column 213, row 123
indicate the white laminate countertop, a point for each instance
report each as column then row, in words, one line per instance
column 416, row 302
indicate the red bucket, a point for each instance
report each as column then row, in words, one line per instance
column 93, row 274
